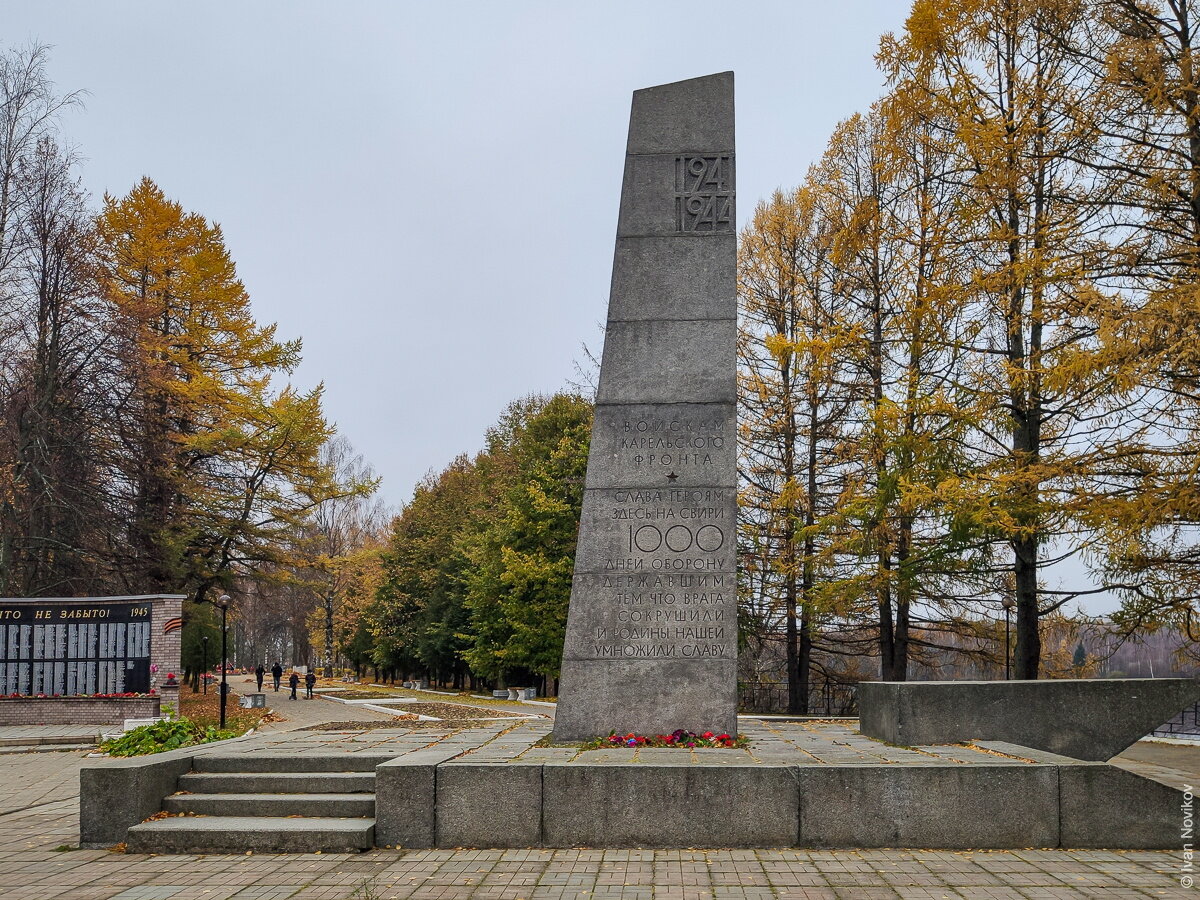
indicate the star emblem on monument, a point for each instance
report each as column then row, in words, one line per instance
column 671, row 476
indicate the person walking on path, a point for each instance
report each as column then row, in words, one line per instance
column 259, row 673
column 277, row 673
column 293, row 683
column 309, row 680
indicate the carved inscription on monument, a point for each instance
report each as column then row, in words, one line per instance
column 679, row 446
column 659, row 615
column 659, row 555
column 662, row 573
column 704, row 193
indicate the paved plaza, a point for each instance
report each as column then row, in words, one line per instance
column 39, row 809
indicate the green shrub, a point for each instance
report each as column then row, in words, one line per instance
column 169, row 734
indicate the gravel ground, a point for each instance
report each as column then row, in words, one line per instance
column 457, row 711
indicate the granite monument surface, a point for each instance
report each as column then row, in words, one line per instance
column 1083, row 718
column 651, row 642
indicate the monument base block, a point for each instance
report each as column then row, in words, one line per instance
column 798, row 784
column 696, row 696
column 816, row 785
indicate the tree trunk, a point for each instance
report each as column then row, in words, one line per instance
column 795, row 697
column 329, row 634
column 1028, row 651
column 903, row 601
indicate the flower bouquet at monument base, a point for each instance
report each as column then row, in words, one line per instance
column 681, row 739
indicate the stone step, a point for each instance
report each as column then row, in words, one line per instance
column 238, row 834
column 277, row 782
column 289, row 762
column 335, row 806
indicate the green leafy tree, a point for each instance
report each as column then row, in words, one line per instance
column 418, row 611
column 523, row 553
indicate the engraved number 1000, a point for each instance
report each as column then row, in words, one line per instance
column 677, row 538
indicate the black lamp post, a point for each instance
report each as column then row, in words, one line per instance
column 223, row 603
column 1008, row 603
column 204, row 665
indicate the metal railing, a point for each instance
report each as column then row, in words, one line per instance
column 1186, row 725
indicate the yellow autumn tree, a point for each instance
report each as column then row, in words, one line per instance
column 1143, row 59
column 217, row 468
column 793, row 372
column 898, row 259
column 997, row 77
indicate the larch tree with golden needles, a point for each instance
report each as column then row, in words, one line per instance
column 997, row 73
column 792, row 356
column 218, row 469
column 1143, row 55
column 859, row 197
column 899, row 260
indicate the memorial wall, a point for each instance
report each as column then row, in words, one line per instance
column 85, row 649
column 87, row 646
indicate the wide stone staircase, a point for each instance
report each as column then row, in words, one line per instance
column 297, row 803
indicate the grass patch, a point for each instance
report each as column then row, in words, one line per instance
column 697, row 742
column 358, row 694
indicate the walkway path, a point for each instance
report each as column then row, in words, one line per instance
column 1176, row 764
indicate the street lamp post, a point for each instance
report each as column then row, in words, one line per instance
column 204, row 665
column 223, row 603
column 1008, row 604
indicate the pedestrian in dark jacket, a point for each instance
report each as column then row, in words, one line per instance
column 309, row 680
column 259, row 674
column 277, row 673
column 293, row 683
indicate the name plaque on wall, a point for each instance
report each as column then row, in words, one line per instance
column 74, row 648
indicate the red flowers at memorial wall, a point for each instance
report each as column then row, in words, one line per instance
column 125, row 696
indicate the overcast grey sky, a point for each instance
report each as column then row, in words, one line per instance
column 427, row 193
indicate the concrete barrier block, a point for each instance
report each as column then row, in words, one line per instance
column 406, row 799
column 489, row 805
column 116, row 794
column 1106, row 806
column 669, row 806
column 1089, row 719
column 948, row 807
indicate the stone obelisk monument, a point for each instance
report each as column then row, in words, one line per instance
column 652, row 631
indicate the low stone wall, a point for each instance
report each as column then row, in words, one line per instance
column 432, row 798
column 1090, row 719
column 118, row 793
column 76, row 710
